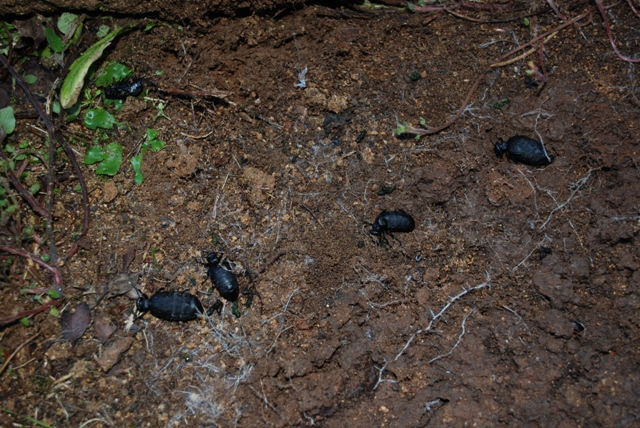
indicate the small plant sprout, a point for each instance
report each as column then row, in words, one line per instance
column 8, row 37
column 151, row 143
column 534, row 71
column 404, row 130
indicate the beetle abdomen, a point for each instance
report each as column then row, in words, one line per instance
column 524, row 150
column 173, row 306
column 122, row 90
column 224, row 280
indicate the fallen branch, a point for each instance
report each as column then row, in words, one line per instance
column 215, row 93
column 57, row 278
column 23, row 314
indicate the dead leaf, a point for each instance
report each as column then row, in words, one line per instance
column 112, row 353
column 128, row 258
column 103, row 329
column 123, row 283
column 75, row 323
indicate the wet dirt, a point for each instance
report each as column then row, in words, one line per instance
column 515, row 302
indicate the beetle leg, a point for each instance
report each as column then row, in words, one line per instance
column 249, row 293
column 391, row 235
column 216, row 307
column 234, row 310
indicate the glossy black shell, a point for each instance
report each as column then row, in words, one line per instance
column 171, row 306
column 122, row 90
column 392, row 221
column 524, row 150
column 223, row 279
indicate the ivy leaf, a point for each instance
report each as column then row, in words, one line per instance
column 114, row 72
column 112, row 161
column 109, row 156
column 99, row 118
column 94, row 155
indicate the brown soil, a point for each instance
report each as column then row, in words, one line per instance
column 515, row 302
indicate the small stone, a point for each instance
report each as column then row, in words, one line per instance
column 109, row 191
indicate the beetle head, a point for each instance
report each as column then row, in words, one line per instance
column 142, row 305
column 500, row 147
column 212, row 259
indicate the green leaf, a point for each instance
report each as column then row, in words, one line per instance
column 30, row 79
column 99, row 118
column 114, row 72
column 25, row 321
column 11, row 37
column 7, row 120
column 73, row 83
column 157, row 145
column 152, row 134
column 136, row 164
column 72, row 113
column 35, row 188
column 53, row 293
column 152, row 142
column 54, row 312
column 103, row 30
column 76, row 35
column 65, row 21
column 111, row 163
column 116, row 104
column 94, row 155
column 401, row 128
column 53, row 40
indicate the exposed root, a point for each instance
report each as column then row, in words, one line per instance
column 429, row 328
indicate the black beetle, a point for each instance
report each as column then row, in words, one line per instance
column 171, row 306
column 222, row 278
column 524, row 150
column 388, row 222
column 122, row 90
